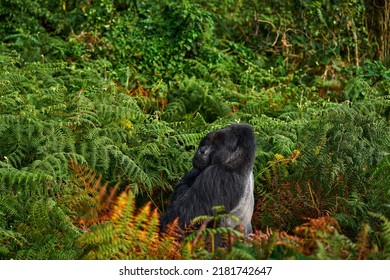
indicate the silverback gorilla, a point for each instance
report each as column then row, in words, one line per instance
column 222, row 175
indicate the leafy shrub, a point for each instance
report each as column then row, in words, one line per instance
column 126, row 89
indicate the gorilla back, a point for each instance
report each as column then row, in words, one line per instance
column 222, row 175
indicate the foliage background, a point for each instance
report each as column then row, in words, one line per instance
column 102, row 104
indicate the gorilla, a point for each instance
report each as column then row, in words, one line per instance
column 222, row 175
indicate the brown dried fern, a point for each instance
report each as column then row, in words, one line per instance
column 115, row 229
column 92, row 199
column 363, row 243
column 131, row 234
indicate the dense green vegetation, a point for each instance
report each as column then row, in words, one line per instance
column 102, row 104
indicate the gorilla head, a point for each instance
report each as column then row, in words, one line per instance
column 221, row 176
column 232, row 146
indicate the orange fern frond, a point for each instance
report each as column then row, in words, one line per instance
column 363, row 243
column 92, row 198
column 128, row 233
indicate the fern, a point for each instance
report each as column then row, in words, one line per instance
column 210, row 236
column 363, row 243
column 133, row 109
column 127, row 234
column 386, row 238
column 97, row 123
column 339, row 149
column 45, row 229
column 174, row 110
column 382, row 251
column 115, row 229
column 239, row 254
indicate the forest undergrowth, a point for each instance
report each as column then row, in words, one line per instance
column 103, row 103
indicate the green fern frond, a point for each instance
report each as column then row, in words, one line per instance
column 39, row 214
column 188, row 139
column 383, row 252
column 175, row 110
column 386, row 238
column 84, row 114
column 239, row 254
column 12, row 177
column 9, row 58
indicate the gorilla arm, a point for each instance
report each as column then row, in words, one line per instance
column 179, row 193
column 185, row 183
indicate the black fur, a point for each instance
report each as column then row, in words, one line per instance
column 222, row 175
